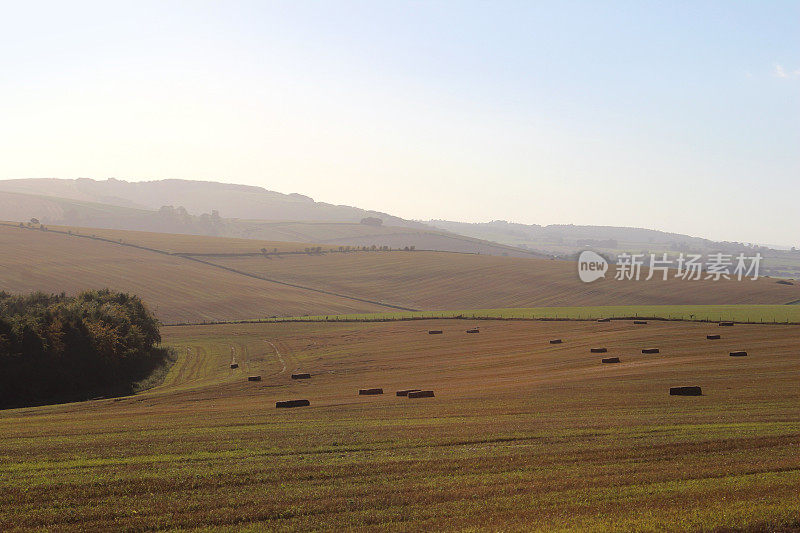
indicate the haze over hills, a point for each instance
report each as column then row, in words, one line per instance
column 198, row 208
column 229, row 200
column 242, row 211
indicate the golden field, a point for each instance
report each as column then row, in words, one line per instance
column 522, row 435
column 181, row 289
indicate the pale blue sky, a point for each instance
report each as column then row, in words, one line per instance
column 680, row 116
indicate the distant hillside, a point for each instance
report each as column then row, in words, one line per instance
column 197, row 197
column 566, row 241
column 76, row 214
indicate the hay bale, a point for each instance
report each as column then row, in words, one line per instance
column 253, row 378
column 713, row 337
column 292, row 403
column 234, row 365
column 302, row 375
column 685, row 391
column 369, row 392
column 738, row 354
column 556, row 341
column 421, row 394
column 610, row 360
column 598, row 350
column 729, row 324
column 405, row 392
column 474, row 330
column 640, row 321
column 604, row 320
column 650, row 350
column 435, row 332
column 784, row 282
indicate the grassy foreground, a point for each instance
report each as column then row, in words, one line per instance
column 768, row 314
column 522, row 435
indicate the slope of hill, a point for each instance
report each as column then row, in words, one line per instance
column 175, row 288
column 440, row 281
column 81, row 215
column 231, row 201
column 226, row 286
column 567, row 240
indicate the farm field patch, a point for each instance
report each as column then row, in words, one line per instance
column 521, row 434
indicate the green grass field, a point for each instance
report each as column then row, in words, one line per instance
column 768, row 314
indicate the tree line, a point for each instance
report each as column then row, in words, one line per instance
column 58, row 348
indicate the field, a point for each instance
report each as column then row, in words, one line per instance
column 203, row 288
column 766, row 314
column 522, row 435
column 445, row 281
column 176, row 289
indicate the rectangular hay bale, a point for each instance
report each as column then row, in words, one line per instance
column 369, row 392
column 253, row 378
column 598, row 350
column 685, row 391
column 292, row 403
column 302, row 375
column 610, row 360
column 405, row 392
column 421, row 394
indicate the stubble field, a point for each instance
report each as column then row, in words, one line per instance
column 521, row 435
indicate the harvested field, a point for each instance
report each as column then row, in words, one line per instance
column 520, row 437
column 446, row 281
column 176, row 289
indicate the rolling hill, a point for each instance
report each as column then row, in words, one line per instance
column 441, row 281
column 176, row 289
column 81, row 215
column 231, row 201
column 193, row 279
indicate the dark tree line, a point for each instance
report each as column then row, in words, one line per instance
column 56, row 348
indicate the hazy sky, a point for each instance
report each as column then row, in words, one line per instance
column 680, row 116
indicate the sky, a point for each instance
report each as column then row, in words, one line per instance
column 677, row 116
